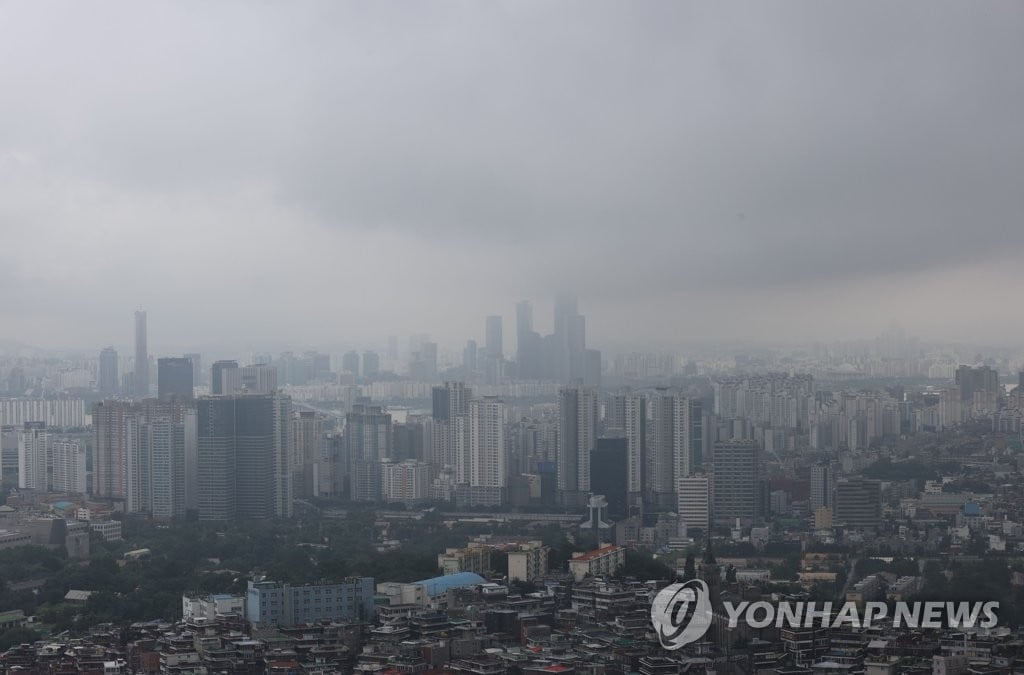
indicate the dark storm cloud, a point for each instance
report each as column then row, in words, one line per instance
column 632, row 152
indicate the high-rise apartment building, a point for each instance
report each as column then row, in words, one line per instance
column 634, row 410
column 577, row 438
column 141, row 357
column 609, row 475
column 670, row 455
column 108, row 381
column 488, row 460
column 69, row 474
column 33, row 456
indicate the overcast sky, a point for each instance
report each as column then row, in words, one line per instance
column 310, row 173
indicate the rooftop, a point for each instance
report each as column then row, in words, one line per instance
column 590, row 555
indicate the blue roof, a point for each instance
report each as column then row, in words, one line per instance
column 439, row 585
column 972, row 509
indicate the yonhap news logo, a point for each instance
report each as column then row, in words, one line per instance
column 681, row 613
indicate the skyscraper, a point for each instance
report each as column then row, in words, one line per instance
column 260, row 378
column 197, row 368
column 175, row 378
column 368, row 440
column 821, row 486
column 108, row 379
column 469, row 359
column 350, row 363
column 141, row 357
column 609, row 475
column 450, row 407
column 308, row 461
column 244, row 449
column 33, row 451
column 371, row 364
column 577, row 436
column 225, row 378
column 488, row 459
column 493, row 332
column 634, row 407
column 670, row 452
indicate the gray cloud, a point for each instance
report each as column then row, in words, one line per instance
column 367, row 161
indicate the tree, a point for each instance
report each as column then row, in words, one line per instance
column 730, row 574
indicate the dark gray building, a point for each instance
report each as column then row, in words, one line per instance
column 107, row 378
column 737, row 483
column 244, row 446
column 141, row 388
column 174, row 378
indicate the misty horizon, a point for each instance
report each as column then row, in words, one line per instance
column 692, row 173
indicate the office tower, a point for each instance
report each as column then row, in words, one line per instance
column 635, row 423
column 821, row 486
column 698, row 435
column 197, row 368
column 979, row 389
column 392, row 348
column 259, row 378
column 592, row 368
column 577, row 436
column 569, row 341
column 487, row 452
column 244, row 448
column 368, row 441
column 670, row 451
column 737, row 483
column 69, row 474
column 350, row 363
column 371, row 364
column 141, row 357
column 225, row 378
column 494, row 348
column 858, row 503
column 694, row 501
column 307, row 462
column 528, row 344
column 469, row 358
column 428, row 358
column 174, row 378
column 609, row 475
column 107, row 379
column 33, row 448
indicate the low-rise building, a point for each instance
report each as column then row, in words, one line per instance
column 597, row 563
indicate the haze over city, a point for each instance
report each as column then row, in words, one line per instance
column 257, row 176
column 450, row 337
